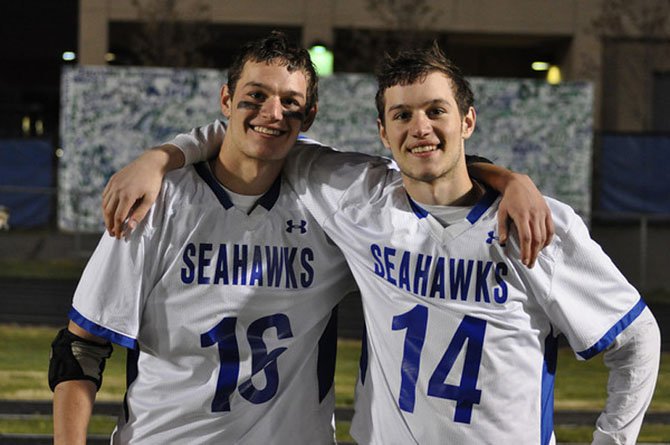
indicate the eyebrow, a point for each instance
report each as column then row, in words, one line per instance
column 426, row 103
column 265, row 87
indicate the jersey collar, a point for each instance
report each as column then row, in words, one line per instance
column 477, row 210
column 267, row 201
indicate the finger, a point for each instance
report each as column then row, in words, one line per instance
column 503, row 226
column 108, row 192
column 550, row 229
column 108, row 210
column 123, row 208
column 537, row 242
column 525, row 239
column 136, row 214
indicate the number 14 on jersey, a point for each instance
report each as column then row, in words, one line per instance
column 466, row 394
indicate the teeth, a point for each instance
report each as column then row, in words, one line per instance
column 423, row 149
column 266, row 130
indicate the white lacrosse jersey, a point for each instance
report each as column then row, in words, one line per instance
column 461, row 336
column 229, row 317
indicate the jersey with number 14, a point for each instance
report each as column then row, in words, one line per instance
column 461, row 336
column 228, row 317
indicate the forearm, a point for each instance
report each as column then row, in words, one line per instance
column 72, row 408
column 633, row 363
column 494, row 176
column 164, row 158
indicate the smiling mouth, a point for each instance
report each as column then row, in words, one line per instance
column 424, row 149
column 266, row 130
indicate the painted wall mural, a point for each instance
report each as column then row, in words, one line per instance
column 110, row 114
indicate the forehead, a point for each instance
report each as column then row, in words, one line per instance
column 273, row 76
column 435, row 86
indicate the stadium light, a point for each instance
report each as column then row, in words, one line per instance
column 323, row 59
column 539, row 66
column 69, row 56
column 110, row 57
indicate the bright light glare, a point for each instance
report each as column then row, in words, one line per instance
column 323, row 60
column 539, row 66
column 554, row 75
column 69, row 56
column 110, row 57
column 25, row 125
column 59, row 152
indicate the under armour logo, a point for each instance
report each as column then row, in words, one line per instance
column 491, row 237
column 302, row 226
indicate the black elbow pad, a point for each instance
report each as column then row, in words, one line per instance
column 75, row 358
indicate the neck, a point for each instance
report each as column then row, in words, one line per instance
column 445, row 191
column 245, row 175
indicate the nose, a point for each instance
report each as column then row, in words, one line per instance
column 272, row 109
column 421, row 126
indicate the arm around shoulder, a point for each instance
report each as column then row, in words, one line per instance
column 131, row 191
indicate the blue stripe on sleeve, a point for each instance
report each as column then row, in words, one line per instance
column 96, row 329
column 610, row 335
column 548, row 378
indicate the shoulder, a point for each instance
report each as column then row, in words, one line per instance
column 306, row 148
column 565, row 218
column 182, row 187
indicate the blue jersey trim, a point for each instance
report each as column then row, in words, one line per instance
column 419, row 211
column 610, row 335
column 482, row 205
column 363, row 361
column 270, row 197
column 203, row 170
column 267, row 201
column 132, row 357
column 548, row 378
column 325, row 363
column 477, row 211
column 100, row 331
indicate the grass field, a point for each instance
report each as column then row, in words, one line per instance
column 24, row 356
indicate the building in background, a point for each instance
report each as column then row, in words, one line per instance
column 622, row 47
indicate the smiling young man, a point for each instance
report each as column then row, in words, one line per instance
column 224, row 295
column 461, row 336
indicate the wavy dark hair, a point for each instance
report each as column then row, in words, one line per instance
column 410, row 66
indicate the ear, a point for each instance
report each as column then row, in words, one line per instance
column 468, row 124
column 309, row 118
column 226, row 99
column 382, row 134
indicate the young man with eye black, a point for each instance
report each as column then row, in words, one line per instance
column 225, row 293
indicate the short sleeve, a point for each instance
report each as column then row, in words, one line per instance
column 111, row 293
column 589, row 300
column 201, row 143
